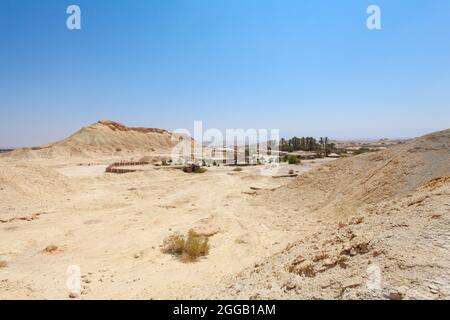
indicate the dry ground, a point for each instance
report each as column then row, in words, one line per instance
column 321, row 235
column 112, row 226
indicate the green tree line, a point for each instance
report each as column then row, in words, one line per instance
column 322, row 146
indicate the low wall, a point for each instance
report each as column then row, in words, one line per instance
column 112, row 168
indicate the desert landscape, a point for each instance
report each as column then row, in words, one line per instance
column 319, row 230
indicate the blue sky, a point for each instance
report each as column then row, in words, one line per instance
column 305, row 67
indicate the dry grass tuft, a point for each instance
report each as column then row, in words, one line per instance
column 189, row 248
column 174, row 244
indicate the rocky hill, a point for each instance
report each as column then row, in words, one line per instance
column 382, row 230
column 106, row 138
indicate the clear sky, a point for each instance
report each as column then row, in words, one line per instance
column 305, row 67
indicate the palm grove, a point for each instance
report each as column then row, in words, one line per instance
column 323, row 147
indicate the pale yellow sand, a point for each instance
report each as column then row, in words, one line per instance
column 112, row 226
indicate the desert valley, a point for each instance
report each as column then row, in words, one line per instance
column 320, row 230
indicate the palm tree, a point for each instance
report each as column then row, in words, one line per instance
column 321, row 146
column 326, row 146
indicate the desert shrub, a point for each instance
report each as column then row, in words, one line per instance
column 291, row 159
column 214, row 163
column 291, row 171
column 194, row 169
column 361, row 151
column 189, row 248
column 174, row 244
column 200, row 170
column 195, row 246
column 3, row 264
column 237, row 169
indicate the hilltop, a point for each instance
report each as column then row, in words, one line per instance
column 106, row 138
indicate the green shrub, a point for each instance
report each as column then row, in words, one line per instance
column 200, row 170
column 237, row 169
column 194, row 169
column 361, row 151
column 291, row 159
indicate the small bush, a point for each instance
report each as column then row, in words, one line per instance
column 189, row 248
column 237, row 169
column 361, row 151
column 174, row 244
column 194, row 169
column 200, row 170
column 291, row 171
column 195, row 246
column 291, row 159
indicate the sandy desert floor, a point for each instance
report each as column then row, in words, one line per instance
column 372, row 226
column 112, row 227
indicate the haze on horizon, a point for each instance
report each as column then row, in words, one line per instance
column 306, row 68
